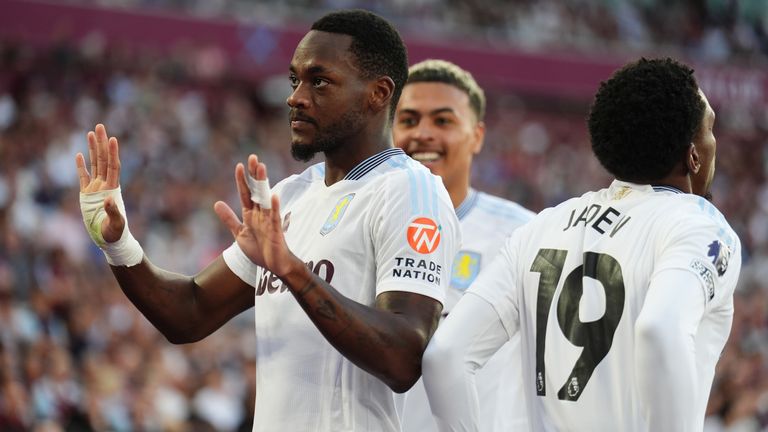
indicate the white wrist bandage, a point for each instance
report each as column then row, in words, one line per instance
column 260, row 192
column 126, row 251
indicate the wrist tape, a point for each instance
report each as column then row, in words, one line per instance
column 126, row 251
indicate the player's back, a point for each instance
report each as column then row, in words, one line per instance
column 584, row 268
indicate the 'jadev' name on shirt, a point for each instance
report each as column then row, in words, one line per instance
column 609, row 220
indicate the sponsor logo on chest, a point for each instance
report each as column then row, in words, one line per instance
column 269, row 283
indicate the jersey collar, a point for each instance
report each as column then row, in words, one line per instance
column 372, row 162
column 620, row 188
column 468, row 204
column 666, row 188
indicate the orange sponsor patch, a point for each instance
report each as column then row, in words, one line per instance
column 423, row 235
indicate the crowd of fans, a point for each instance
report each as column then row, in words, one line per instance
column 704, row 30
column 76, row 355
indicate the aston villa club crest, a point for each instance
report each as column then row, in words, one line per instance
column 720, row 254
column 466, row 267
column 336, row 214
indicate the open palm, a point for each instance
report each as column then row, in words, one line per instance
column 104, row 175
column 260, row 234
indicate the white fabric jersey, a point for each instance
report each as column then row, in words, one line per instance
column 576, row 282
column 387, row 226
column 486, row 222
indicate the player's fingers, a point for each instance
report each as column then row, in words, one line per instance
column 261, row 172
column 256, row 169
column 228, row 217
column 242, row 187
column 102, row 154
column 269, row 219
column 253, row 162
column 113, row 164
column 92, row 151
column 82, row 172
column 275, row 215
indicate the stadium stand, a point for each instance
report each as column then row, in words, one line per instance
column 75, row 355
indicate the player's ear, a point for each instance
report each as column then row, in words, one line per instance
column 692, row 159
column 479, row 137
column 381, row 93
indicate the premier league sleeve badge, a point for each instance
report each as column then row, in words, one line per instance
column 720, row 254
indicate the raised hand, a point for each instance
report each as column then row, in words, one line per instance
column 260, row 235
column 103, row 154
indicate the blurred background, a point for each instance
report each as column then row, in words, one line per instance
column 190, row 87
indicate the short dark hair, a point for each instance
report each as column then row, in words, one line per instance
column 644, row 118
column 449, row 73
column 376, row 45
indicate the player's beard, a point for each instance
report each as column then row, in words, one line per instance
column 330, row 138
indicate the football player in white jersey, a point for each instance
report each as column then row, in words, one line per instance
column 439, row 122
column 346, row 264
column 623, row 296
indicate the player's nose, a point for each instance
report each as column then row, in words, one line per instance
column 299, row 97
column 423, row 133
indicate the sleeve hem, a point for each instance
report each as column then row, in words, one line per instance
column 241, row 265
column 404, row 286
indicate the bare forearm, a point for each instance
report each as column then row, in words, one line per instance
column 381, row 342
column 166, row 299
column 176, row 304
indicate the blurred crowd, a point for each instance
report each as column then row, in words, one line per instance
column 76, row 355
column 704, row 30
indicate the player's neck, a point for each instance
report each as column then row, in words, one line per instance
column 458, row 195
column 347, row 156
column 458, row 187
column 679, row 182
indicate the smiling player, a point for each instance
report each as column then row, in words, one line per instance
column 439, row 122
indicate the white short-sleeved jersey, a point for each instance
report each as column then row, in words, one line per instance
column 387, row 226
column 573, row 282
column 486, row 222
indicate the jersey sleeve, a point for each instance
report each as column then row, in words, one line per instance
column 708, row 248
column 665, row 351
column 415, row 234
column 496, row 284
column 464, row 342
column 241, row 265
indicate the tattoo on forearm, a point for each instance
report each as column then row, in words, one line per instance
column 311, row 285
column 326, row 309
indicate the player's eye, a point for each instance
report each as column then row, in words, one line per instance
column 319, row 83
column 442, row 121
column 294, row 81
column 407, row 121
